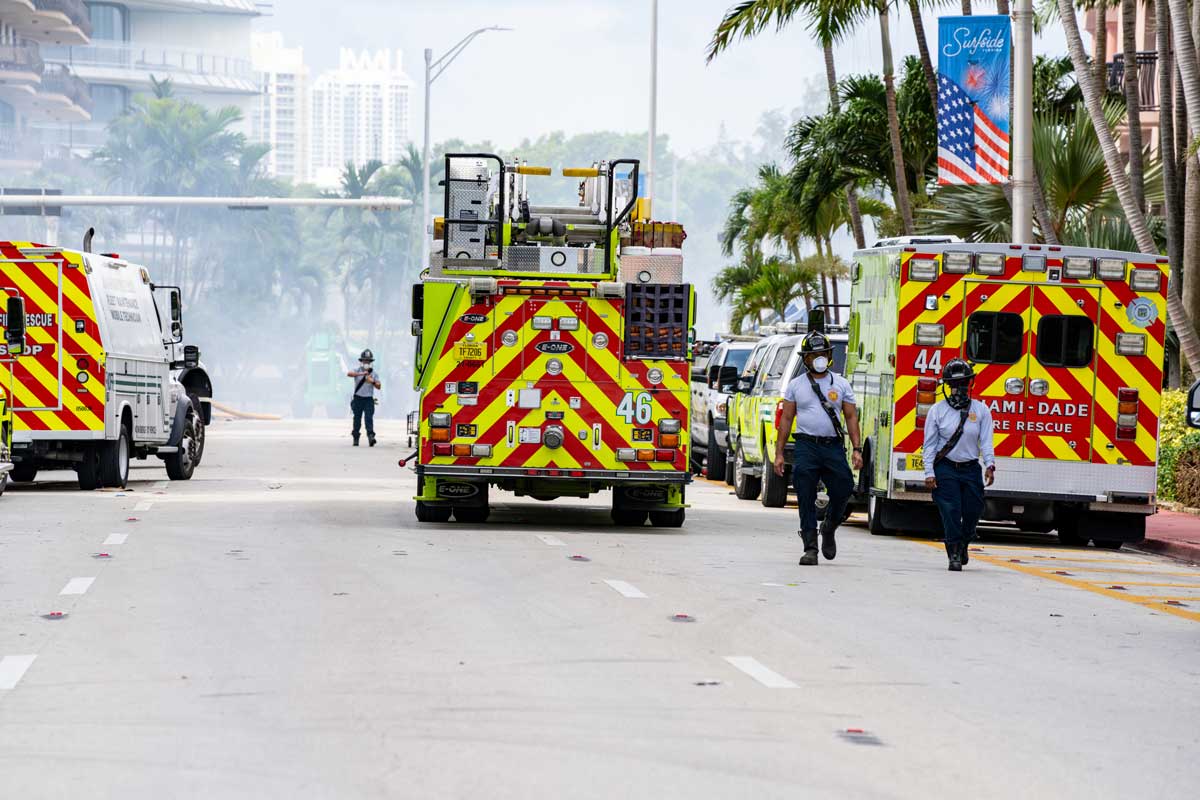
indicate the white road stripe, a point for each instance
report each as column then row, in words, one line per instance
column 145, row 505
column 626, row 589
column 116, row 538
column 12, row 669
column 553, row 541
column 77, row 586
column 767, row 677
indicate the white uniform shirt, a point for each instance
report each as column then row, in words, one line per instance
column 976, row 440
column 810, row 414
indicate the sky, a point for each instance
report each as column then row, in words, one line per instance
column 579, row 66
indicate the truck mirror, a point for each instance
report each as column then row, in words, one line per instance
column 744, row 385
column 726, row 376
column 816, row 320
column 176, row 315
column 191, row 356
column 1193, row 406
column 14, row 325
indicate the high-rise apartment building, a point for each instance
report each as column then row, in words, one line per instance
column 360, row 112
column 281, row 117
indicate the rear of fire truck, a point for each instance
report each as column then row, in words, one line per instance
column 553, row 347
column 1067, row 345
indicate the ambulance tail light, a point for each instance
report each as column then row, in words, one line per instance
column 1131, row 344
column 668, row 440
column 989, row 263
column 930, row 335
column 442, row 450
column 481, row 450
column 439, row 434
column 926, row 397
column 922, row 269
column 627, row 454
column 669, row 426
column 568, row 323
column 439, row 420
column 664, row 455
column 1145, row 280
column 1128, row 406
column 956, row 263
column 462, row 450
column 1078, row 267
column 645, row 454
column 1110, row 269
column 543, row 323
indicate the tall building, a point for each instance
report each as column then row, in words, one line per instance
column 203, row 46
column 359, row 112
column 31, row 90
column 281, row 116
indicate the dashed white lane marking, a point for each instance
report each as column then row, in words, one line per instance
column 145, row 505
column 12, row 669
column 764, row 675
column 162, row 484
column 553, row 541
column 116, row 538
column 77, row 586
column 626, row 589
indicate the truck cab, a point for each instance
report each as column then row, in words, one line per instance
column 714, row 387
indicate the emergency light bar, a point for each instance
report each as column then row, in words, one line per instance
column 1131, row 344
column 1033, row 262
column 1145, row 280
column 1078, row 267
column 923, row 269
column 989, row 263
column 957, row 262
column 1110, row 269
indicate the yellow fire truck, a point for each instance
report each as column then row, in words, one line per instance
column 1067, row 343
column 552, row 347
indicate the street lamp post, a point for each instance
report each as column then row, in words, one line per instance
column 433, row 69
column 653, row 104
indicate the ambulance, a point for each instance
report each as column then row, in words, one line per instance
column 94, row 369
column 1067, row 344
column 553, row 346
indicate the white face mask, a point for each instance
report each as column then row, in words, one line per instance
column 820, row 364
column 364, row 364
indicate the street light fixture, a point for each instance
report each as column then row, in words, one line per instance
column 433, row 69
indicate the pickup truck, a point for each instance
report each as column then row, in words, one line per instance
column 711, row 390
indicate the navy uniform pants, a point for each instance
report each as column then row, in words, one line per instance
column 363, row 407
column 959, row 498
column 821, row 462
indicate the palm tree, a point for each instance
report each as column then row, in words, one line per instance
column 778, row 284
column 729, row 283
column 1092, row 98
column 1133, row 99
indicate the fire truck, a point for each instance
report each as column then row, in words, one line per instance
column 90, row 370
column 1067, row 344
column 553, row 347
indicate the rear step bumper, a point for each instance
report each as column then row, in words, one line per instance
column 627, row 476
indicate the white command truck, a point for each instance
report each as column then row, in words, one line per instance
column 90, row 370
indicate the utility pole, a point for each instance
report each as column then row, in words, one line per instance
column 653, row 103
column 433, row 69
column 1022, row 122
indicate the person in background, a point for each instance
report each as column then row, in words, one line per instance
column 817, row 400
column 958, row 436
column 362, row 402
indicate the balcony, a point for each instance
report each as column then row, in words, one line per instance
column 21, row 70
column 62, row 22
column 1147, row 63
column 63, row 97
column 132, row 66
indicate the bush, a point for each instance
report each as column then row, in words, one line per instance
column 1178, row 453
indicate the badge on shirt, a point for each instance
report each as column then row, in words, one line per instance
column 833, row 396
column 973, row 417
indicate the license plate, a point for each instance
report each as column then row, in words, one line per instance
column 916, row 463
column 470, row 351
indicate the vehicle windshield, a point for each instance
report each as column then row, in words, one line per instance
column 737, row 358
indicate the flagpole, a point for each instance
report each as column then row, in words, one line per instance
column 1022, row 122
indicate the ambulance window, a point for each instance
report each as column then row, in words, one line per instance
column 1065, row 341
column 995, row 337
column 775, row 371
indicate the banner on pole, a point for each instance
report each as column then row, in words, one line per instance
column 974, row 54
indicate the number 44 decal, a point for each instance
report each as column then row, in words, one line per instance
column 928, row 363
column 635, row 407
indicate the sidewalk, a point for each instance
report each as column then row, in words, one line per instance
column 1171, row 533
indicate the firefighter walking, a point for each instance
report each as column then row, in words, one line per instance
column 362, row 402
column 958, row 434
column 818, row 401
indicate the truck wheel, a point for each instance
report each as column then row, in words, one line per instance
column 472, row 515
column 774, row 488
column 201, row 429
column 1108, row 544
column 428, row 512
column 23, row 472
column 728, row 470
column 88, row 470
column 629, row 517
column 672, row 518
column 1068, row 533
column 182, row 463
column 746, row 487
column 114, row 460
column 875, row 511
column 3, row 484
column 716, row 457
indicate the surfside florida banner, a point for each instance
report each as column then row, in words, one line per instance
column 973, row 99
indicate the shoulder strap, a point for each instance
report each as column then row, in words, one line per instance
column 361, row 381
column 825, row 404
column 953, row 440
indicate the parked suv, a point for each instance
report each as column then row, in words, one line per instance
column 710, row 404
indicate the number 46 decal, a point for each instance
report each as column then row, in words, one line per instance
column 928, row 363
column 635, row 407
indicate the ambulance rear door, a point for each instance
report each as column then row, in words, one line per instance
column 36, row 374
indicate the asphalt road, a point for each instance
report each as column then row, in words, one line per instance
column 281, row 626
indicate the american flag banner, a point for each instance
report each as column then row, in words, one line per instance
column 973, row 98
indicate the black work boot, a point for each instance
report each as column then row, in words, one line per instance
column 356, row 441
column 965, row 555
column 954, row 553
column 810, row 548
column 828, row 543
column 371, row 439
